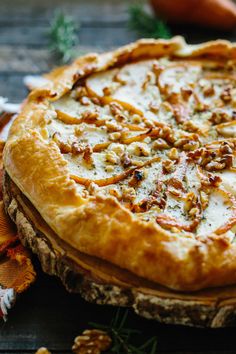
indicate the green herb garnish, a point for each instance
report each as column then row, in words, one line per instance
column 121, row 336
column 145, row 24
column 63, row 36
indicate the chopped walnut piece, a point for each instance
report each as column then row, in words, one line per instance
column 173, row 154
column 213, row 159
column 180, row 142
column 117, row 111
column 180, row 114
column 214, row 181
column 210, row 180
column 154, row 107
column 78, row 131
column 120, row 117
column 186, row 93
column 77, row 148
column 226, row 95
column 91, row 341
column 190, row 201
column 147, row 203
column 112, row 157
column 215, row 165
column 64, row 147
column 167, row 106
column 114, row 136
column 90, row 117
column 79, row 92
column 193, row 212
column 109, row 168
column 168, row 166
column 136, row 119
column 168, row 134
column 199, row 106
column 204, row 199
column 117, row 148
column 219, row 117
column 128, row 193
column 125, row 160
column 139, row 149
column 115, row 108
column 160, row 144
column 187, row 143
column 191, row 145
column 208, row 90
column 226, row 148
column 87, row 156
column 164, row 132
column 190, row 126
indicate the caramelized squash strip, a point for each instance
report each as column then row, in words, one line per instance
column 112, row 179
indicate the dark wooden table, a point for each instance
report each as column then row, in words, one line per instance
column 47, row 315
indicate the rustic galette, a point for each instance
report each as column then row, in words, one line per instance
column 128, row 158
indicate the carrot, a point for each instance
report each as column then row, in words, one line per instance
column 219, row 14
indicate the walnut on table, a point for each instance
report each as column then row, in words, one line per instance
column 42, row 350
column 92, row 341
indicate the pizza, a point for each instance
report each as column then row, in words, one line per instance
column 125, row 162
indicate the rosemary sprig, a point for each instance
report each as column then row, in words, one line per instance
column 62, row 35
column 145, row 24
column 121, row 336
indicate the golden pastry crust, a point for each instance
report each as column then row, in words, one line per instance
column 99, row 224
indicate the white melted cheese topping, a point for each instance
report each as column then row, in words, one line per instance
column 158, row 136
column 218, row 212
column 131, row 87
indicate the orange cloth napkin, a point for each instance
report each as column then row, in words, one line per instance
column 16, row 269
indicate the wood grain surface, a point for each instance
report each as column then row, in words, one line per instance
column 47, row 315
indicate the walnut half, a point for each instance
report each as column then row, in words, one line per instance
column 92, row 341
